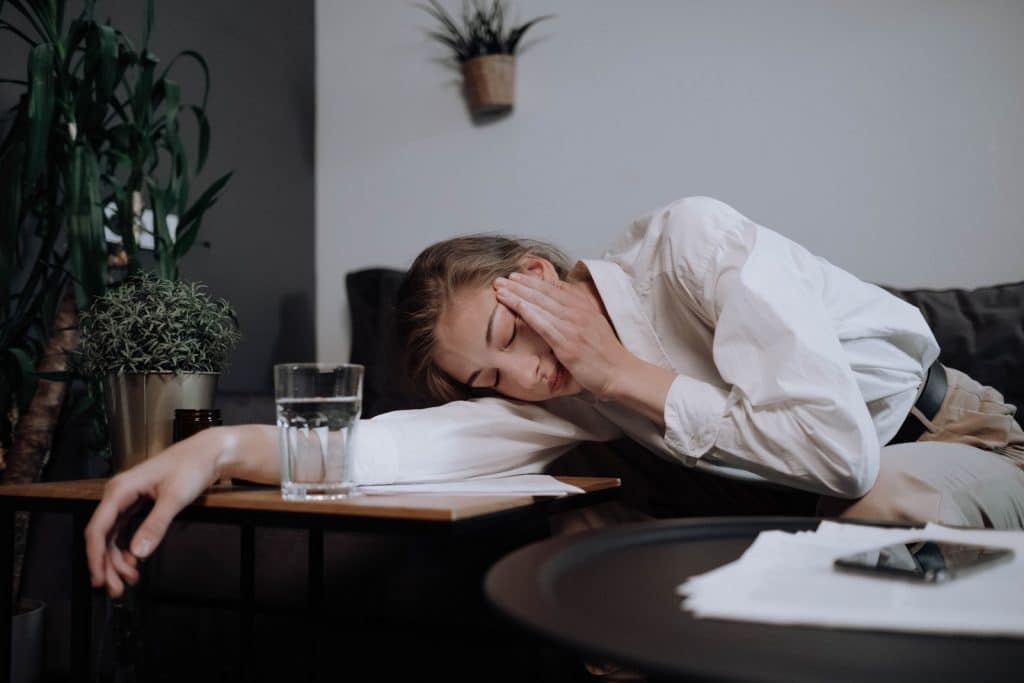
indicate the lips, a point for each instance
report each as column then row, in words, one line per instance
column 557, row 378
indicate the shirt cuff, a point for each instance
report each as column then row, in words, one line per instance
column 374, row 454
column 693, row 414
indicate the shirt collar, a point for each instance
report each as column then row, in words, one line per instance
column 626, row 311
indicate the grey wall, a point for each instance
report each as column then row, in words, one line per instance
column 885, row 136
column 261, row 111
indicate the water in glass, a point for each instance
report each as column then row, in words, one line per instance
column 315, row 435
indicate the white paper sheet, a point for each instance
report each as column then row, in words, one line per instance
column 518, row 485
column 786, row 578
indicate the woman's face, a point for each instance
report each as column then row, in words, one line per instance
column 483, row 344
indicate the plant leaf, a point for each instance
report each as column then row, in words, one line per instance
column 143, row 99
column 172, row 101
column 7, row 26
column 147, row 24
column 198, row 58
column 516, row 35
column 11, row 162
column 40, row 109
column 107, row 65
column 162, row 236
column 32, row 17
column 189, row 223
column 204, row 136
column 86, row 241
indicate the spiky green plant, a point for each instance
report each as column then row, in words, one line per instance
column 483, row 30
column 98, row 121
column 149, row 324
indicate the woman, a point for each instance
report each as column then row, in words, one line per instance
column 710, row 340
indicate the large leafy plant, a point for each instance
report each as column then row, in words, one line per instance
column 98, row 124
column 483, row 31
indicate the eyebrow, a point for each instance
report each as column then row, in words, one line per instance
column 487, row 339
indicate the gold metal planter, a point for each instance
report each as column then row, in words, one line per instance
column 140, row 410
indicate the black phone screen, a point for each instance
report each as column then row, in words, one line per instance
column 931, row 561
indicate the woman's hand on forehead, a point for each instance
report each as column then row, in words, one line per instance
column 570, row 321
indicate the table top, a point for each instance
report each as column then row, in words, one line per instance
column 610, row 595
column 226, row 498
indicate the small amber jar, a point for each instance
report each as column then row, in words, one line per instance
column 188, row 421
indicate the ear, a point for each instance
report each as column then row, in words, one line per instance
column 538, row 266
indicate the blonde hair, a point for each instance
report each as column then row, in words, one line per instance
column 439, row 272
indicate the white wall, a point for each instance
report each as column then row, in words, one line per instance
column 886, row 136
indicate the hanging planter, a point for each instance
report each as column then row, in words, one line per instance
column 485, row 51
column 490, row 83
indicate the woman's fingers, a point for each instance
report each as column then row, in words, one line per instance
column 118, row 496
column 540, row 320
column 536, row 292
column 124, row 564
column 555, row 289
column 153, row 528
column 115, row 586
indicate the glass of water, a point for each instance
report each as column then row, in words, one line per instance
column 318, row 407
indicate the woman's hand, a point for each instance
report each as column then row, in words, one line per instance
column 170, row 480
column 573, row 325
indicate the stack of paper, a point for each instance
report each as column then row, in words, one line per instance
column 517, row 485
column 787, row 578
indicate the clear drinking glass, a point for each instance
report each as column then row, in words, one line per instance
column 318, row 407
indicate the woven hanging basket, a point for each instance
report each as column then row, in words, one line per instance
column 490, row 83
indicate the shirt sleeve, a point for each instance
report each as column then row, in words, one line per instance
column 794, row 413
column 466, row 439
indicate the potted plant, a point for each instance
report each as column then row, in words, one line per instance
column 485, row 50
column 158, row 345
column 97, row 136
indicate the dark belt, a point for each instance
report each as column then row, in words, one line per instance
column 928, row 403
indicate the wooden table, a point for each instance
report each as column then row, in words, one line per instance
column 250, row 506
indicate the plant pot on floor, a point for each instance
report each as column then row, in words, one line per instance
column 490, row 84
column 27, row 633
column 140, row 410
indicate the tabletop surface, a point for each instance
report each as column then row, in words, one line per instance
column 610, row 595
column 416, row 506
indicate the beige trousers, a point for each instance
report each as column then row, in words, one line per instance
column 967, row 469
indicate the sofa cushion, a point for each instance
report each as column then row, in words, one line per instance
column 980, row 332
column 371, row 297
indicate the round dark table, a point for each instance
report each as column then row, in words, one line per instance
column 610, row 596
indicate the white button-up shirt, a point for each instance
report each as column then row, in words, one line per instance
column 790, row 370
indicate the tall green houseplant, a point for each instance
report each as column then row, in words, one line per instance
column 97, row 124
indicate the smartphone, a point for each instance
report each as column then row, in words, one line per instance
column 925, row 561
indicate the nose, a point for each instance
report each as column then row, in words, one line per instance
column 528, row 372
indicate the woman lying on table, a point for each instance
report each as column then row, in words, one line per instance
column 712, row 341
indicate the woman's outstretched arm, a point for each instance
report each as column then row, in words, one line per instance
column 458, row 440
column 172, row 480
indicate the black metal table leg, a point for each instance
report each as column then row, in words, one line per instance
column 247, row 598
column 6, row 586
column 81, row 601
column 315, row 595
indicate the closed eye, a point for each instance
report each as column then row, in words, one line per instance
column 506, row 347
column 515, row 331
